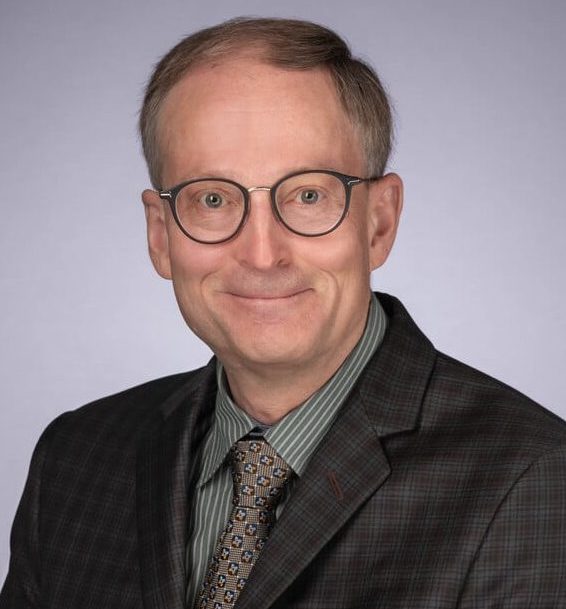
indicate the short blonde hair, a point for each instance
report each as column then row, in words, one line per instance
column 287, row 43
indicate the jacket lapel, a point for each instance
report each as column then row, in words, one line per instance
column 338, row 479
column 167, row 460
column 351, row 463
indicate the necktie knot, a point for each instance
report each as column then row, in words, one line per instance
column 259, row 474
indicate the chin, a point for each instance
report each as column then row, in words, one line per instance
column 277, row 348
column 277, row 358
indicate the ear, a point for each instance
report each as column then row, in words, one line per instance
column 384, row 209
column 157, row 236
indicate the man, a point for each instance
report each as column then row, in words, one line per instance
column 327, row 456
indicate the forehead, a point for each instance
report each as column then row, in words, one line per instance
column 245, row 116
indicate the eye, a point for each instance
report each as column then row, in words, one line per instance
column 213, row 200
column 309, row 196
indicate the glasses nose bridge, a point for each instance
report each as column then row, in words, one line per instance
column 252, row 189
column 259, row 188
column 266, row 189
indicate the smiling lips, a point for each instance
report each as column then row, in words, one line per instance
column 268, row 295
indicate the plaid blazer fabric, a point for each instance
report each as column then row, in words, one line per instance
column 437, row 487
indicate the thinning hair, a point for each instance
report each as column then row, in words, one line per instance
column 286, row 43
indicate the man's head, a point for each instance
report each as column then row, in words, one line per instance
column 236, row 111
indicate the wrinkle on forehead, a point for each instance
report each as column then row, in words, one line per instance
column 240, row 106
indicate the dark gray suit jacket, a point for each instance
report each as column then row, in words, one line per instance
column 437, row 487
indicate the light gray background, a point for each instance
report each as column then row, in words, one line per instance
column 480, row 93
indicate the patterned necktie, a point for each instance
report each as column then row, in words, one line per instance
column 259, row 475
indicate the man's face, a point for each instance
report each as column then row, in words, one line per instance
column 268, row 297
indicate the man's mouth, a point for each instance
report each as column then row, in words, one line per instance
column 267, row 295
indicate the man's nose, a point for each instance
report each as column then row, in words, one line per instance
column 263, row 242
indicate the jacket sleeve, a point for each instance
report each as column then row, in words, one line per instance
column 22, row 586
column 521, row 562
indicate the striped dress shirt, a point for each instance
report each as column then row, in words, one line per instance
column 295, row 438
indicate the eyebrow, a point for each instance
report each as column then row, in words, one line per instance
column 230, row 176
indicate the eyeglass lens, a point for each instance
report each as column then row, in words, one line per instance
column 307, row 203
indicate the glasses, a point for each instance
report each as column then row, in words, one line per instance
column 308, row 203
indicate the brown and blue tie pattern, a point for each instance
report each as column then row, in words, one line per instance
column 259, row 475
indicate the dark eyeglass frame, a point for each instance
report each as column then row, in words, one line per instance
column 348, row 182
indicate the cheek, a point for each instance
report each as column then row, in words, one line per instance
column 190, row 270
column 191, row 265
column 344, row 253
column 191, row 261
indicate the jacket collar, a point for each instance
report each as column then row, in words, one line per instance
column 394, row 385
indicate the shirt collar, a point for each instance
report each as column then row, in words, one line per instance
column 230, row 424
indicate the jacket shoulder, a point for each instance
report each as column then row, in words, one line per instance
column 121, row 418
column 459, row 411
column 471, row 404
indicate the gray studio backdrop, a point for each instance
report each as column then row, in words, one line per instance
column 480, row 93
